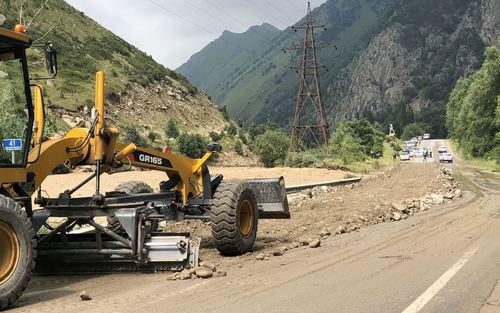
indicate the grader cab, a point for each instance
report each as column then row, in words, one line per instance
column 131, row 239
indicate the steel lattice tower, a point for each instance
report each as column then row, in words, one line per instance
column 309, row 119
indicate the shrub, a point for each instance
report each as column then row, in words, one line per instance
column 171, row 129
column 152, row 136
column 238, row 147
column 225, row 115
column 132, row 135
column 214, row 136
column 243, row 137
column 304, row 159
column 231, row 129
column 192, row 145
column 271, row 147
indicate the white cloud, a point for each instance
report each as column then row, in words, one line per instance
column 171, row 40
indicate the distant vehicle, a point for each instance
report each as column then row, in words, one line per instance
column 418, row 153
column 426, row 136
column 446, row 157
column 404, row 156
column 442, row 149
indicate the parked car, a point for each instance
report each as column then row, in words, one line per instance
column 404, row 156
column 426, row 136
column 410, row 144
column 442, row 149
column 445, row 157
column 417, row 153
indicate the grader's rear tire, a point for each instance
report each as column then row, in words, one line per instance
column 129, row 188
column 17, row 251
column 234, row 218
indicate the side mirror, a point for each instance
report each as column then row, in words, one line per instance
column 50, row 59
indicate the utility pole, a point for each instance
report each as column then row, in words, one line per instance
column 309, row 121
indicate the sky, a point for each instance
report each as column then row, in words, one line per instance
column 173, row 30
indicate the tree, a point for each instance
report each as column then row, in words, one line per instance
column 271, row 147
column 473, row 113
column 345, row 145
column 414, row 130
column 171, row 129
column 369, row 136
column 192, row 145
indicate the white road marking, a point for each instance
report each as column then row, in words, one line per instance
column 421, row 301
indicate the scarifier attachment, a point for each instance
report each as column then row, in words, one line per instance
column 99, row 249
column 271, row 197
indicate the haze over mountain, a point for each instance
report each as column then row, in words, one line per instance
column 396, row 61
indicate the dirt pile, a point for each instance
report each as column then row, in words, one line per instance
column 327, row 211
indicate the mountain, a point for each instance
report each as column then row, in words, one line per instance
column 396, row 62
column 139, row 92
column 223, row 61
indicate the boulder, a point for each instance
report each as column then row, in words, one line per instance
column 396, row 216
column 315, row 243
column 84, row 296
column 398, row 206
column 204, row 272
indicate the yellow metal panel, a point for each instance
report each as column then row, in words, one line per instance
column 14, row 35
column 53, row 153
column 12, row 175
column 99, row 105
column 39, row 118
column 191, row 181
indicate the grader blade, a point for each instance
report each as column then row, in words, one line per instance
column 271, row 197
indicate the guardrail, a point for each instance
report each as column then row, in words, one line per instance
column 347, row 181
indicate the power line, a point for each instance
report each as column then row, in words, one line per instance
column 197, row 25
column 206, row 13
column 226, row 13
column 264, row 11
column 282, row 12
column 295, row 6
column 238, row 21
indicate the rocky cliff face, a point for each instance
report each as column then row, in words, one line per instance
column 490, row 17
column 416, row 61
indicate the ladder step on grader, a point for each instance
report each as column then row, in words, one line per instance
column 131, row 239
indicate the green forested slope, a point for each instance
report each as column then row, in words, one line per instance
column 473, row 110
column 139, row 91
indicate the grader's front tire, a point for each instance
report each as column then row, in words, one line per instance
column 234, row 218
column 17, row 252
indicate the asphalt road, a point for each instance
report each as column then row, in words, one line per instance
column 443, row 260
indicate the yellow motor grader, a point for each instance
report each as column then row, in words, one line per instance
column 131, row 239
